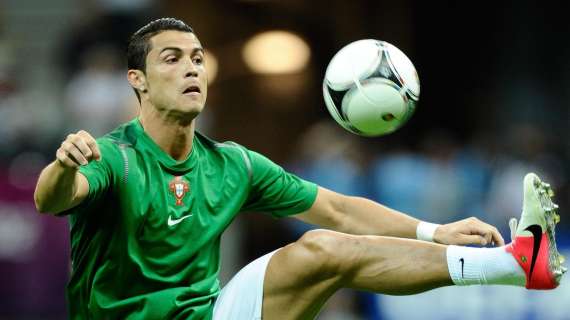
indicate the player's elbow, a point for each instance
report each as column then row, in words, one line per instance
column 42, row 206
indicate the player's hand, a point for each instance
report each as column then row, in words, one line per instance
column 468, row 231
column 78, row 149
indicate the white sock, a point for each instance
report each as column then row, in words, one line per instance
column 469, row 266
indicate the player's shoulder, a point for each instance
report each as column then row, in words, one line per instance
column 114, row 143
column 226, row 149
column 121, row 136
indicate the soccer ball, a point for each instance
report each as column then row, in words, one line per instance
column 371, row 88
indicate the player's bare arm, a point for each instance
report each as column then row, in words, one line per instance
column 60, row 185
column 356, row 215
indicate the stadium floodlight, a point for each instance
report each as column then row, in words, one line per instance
column 276, row 52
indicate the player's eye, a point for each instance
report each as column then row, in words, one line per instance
column 198, row 60
column 171, row 59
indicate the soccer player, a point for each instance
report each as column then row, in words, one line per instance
column 148, row 202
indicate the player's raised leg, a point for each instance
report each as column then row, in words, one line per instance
column 302, row 276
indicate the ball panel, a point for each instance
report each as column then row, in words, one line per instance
column 332, row 106
column 336, row 98
column 357, row 60
column 411, row 108
column 374, row 107
column 404, row 67
column 385, row 70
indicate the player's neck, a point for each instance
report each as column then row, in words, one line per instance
column 173, row 136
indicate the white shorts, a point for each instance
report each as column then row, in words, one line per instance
column 242, row 297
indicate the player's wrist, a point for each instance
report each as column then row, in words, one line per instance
column 425, row 231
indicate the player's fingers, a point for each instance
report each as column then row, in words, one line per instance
column 82, row 146
column 95, row 149
column 61, row 156
column 91, row 143
column 488, row 238
column 465, row 239
column 497, row 238
column 73, row 153
column 484, row 234
column 491, row 234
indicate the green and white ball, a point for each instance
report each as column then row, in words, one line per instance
column 371, row 88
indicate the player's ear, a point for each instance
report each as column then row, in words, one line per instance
column 137, row 79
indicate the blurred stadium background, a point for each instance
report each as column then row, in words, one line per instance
column 494, row 105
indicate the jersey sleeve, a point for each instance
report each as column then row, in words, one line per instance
column 276, row 191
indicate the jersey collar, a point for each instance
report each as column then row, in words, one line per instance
column 163, row 158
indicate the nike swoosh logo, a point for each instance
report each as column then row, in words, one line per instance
column 462, row 263
column 536, row 231
column 172, row 222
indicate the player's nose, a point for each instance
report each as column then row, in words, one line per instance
column 191, row 73
column 191, row 70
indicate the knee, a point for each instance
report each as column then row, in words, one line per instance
column 325, row 250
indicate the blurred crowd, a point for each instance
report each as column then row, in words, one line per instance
column 440, row 180
column 438, row 177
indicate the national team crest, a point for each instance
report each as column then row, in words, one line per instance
column 179, row 187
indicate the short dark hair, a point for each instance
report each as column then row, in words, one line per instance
column 139, row 44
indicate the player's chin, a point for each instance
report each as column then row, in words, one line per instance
column 191, row 110
column 196, row 109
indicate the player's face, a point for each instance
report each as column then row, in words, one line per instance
column 175, row 73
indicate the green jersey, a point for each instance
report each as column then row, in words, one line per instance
column 145, row 242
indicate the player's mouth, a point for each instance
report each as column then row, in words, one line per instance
column 192, row 91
